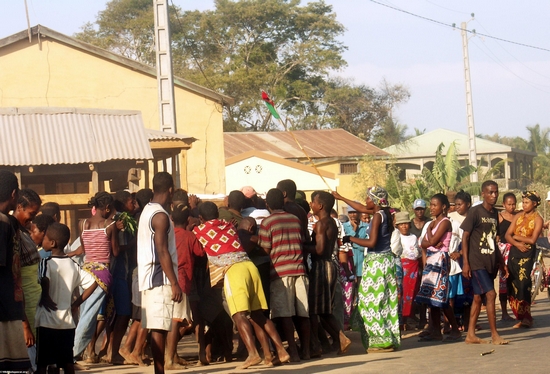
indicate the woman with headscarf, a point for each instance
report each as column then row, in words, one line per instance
column 522, row 235
column 378, row 302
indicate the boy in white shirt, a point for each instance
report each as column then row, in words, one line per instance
column 59, row 276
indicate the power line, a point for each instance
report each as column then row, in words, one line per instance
column 454, row 26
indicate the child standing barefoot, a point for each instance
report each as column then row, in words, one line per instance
column 59, row 276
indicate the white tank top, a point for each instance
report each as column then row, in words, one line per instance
column 150, row 273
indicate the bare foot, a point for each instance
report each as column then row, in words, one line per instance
column 284, row 356
column 127, row 356
column 345, row 342
column 475, row 340
column 517, row 325
column 174, row 366
column 250, row 361
column 138, row 360
column 180, row 360
column 497, row 340
column 118, row 360
column 507, row 317
column 203, row 359
column 78, row 367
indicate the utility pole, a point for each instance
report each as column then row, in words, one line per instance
column 165, row 78
column 469, row 103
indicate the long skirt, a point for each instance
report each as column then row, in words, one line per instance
column 519, row 282
column 376, row 314
column 410, row 285
column 347, row 295
column 434, row 289
column 502, row 282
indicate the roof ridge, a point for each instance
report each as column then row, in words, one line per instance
column 125, row 61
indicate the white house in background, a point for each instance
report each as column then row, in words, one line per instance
column 419, row 152
column 262, row 171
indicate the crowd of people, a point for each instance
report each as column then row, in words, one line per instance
column 160, row 264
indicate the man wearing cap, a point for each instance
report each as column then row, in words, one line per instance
column 419, row 220
column 354, row 227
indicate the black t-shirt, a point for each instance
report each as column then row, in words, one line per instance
column 483, row 228
column 415, row 231
column 10, row 310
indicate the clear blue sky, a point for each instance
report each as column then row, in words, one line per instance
column 510, row 83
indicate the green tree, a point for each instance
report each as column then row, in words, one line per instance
column 125, row 27
column 241, row 47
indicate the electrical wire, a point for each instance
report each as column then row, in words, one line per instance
column 493, row 57
column 455, row 27
column 511, row 55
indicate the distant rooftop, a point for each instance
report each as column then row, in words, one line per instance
column 317, row 143
column 425, row 145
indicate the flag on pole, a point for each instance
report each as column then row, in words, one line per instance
column 270, row 105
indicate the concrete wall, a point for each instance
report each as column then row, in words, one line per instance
column 52, row 74
column 264, row 175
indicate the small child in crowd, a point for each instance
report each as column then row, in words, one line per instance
column 59, row 276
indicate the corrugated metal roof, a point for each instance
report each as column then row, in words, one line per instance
column 317, row 143
column 53, row 136
column 425, row 145
column 156, row 135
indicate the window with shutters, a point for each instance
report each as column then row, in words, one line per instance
column 350, row 168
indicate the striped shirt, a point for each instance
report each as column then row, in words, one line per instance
column 280, row 234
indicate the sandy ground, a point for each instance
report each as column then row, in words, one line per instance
column 527, row 351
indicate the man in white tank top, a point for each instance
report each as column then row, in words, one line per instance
column 157, row 266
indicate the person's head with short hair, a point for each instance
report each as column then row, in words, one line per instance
column 275, row 199
column 9, row 190
column 489, row 192
column 162, row 182
column 322, row 201
column 163, row 189
column 463, row 202
column 57, row 237
column 208, row 211
column 51, row 209
column 180, row 215
column 365, row 217
column 509, row 202
column 249, row 224
column 439, row 204
column 235, row 200
column 39, row 225
column 28, row 205
column 288, row 187
column 180, row 196
column 124, row 201
column 144, row 196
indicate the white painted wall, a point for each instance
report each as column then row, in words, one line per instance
column 264, row 175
